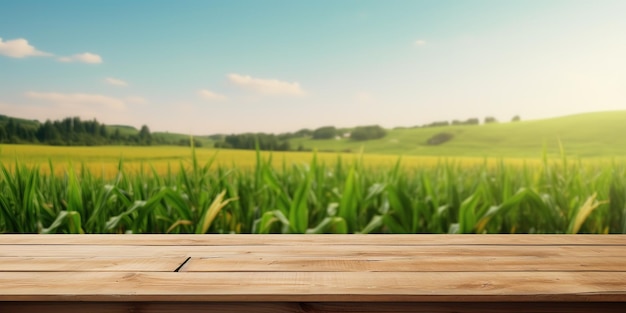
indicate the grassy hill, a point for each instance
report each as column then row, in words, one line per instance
column 124, row 129
column 599, row 134
column 28, row 123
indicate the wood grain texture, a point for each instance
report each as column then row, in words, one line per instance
column 313, row 286
column 312, row 273
column 356, row 251
column 310, row 307
column 285, row 239
column 90, row 264
column 452, row 263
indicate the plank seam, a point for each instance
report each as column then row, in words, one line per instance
column 182, row 264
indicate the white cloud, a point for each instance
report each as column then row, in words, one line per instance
column 19, row 48
column 136, row 100
column 74, row 99
column 210, row 95
column 419, row 42
column 266, row 86
column 115, row 82
column 86, row 57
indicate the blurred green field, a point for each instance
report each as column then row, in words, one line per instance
column 520, row 182
column 105, row 160
column 589, row 135
column 304, row 193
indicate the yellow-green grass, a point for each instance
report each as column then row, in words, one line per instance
column 105, row 160
column 243, row 192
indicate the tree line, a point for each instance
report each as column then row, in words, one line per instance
column 72, row 131
column 359, row 133
column 280, row 142
column 469, row 121
column 252, row 141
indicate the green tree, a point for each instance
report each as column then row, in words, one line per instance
column 368, row 132
column 490, row 119
column 472, row 121
column 305, row 132
column 145, row 138
column 326, row 132
column 47, row 133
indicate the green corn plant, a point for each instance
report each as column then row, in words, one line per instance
column 582, row 214
column 344, row 196
column 211, row 212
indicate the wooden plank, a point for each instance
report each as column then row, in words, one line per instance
column 309, row 251
column 148, row 307
column 85, row 251
column 315, row 286
column 286, row 263
column 90, row 264
column 284, row 239
column 452, row 263
column 307, row 270
column 311, row 307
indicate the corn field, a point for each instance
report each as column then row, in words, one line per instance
column 345, row 197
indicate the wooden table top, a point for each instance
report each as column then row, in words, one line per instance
column 313, row 268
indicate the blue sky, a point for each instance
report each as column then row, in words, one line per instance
column 204, row 67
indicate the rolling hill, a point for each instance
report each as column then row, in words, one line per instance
column 598, row 134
